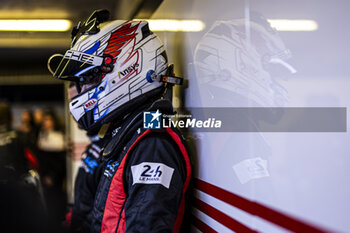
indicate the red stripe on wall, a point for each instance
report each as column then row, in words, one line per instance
column 202, row 226
column 271, row 215
column 222, row 218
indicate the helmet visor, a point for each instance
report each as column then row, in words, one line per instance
column 73, row 65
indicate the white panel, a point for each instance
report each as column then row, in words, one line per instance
column 308, row 173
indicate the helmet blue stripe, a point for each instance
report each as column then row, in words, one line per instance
column 93, row 48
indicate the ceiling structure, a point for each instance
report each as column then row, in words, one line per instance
column 24, row 54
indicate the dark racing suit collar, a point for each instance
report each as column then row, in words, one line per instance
column 122, row 131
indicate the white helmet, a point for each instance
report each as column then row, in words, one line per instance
column 227, row 58
column 117, row 66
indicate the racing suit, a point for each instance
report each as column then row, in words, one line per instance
column 145, row 180
column 85, row 186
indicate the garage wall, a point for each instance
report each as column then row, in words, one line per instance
column 268, row 182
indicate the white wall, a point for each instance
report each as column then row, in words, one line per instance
column 305, row 174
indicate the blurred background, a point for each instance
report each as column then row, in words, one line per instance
column 306, row 175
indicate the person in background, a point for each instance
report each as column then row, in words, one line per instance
column 51, row 146
column 51, row 138
column 15, row 154
column 27, row 126
column 21, row 201
column 38, row 119
column 27, row 121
